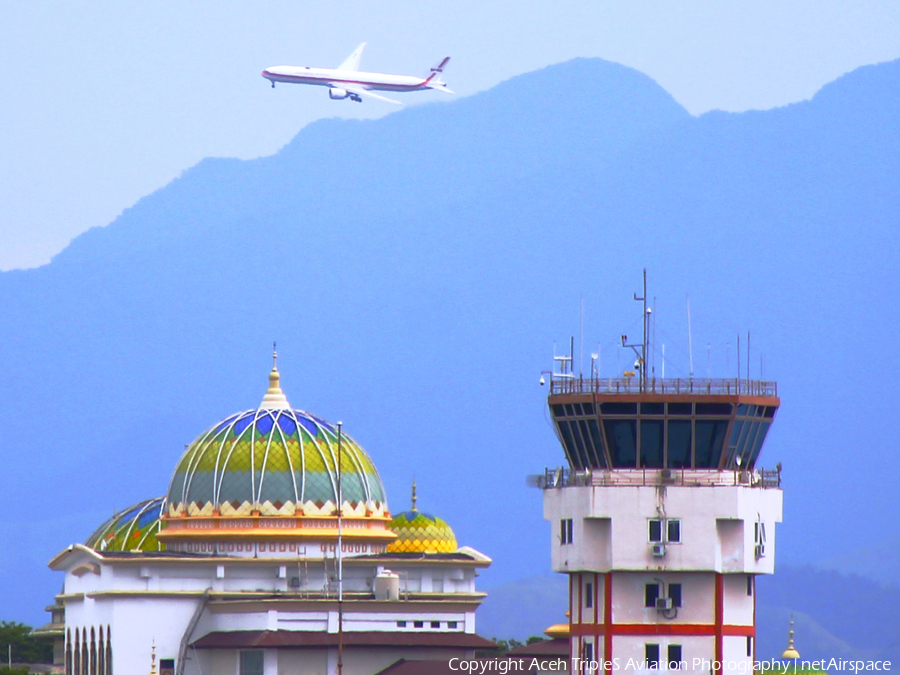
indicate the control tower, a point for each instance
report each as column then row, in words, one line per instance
column 662, row 518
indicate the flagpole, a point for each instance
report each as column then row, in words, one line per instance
column 340, row 558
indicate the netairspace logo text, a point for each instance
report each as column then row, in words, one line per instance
column 705, row 666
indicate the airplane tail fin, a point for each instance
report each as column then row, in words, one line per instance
column 434, row 75
column 352, row 61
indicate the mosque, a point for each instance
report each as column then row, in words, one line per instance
column 274, row 551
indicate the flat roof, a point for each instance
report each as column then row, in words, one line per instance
column 294, row 639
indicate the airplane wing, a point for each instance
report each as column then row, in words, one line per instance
column 352, row 61
column 359, row 91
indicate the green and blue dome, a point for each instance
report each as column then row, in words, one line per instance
column 274, row 460
column 134, row 529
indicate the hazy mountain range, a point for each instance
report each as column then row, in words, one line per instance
column 417, row 270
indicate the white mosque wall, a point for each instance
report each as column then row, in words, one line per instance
column 145, row 601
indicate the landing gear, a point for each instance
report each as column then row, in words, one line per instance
column 355, row 97
column 273, row 85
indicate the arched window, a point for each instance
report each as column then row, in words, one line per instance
column 108, row 653
column 85, row 653
column 101, row 655
column 93, row 668
column 69, row 652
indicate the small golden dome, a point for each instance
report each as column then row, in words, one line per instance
column 791, row 653
column 419, row 532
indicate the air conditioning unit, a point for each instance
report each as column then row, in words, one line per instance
column 295, row 582
column 668, row 475
column 658, row 550
column 663, row 603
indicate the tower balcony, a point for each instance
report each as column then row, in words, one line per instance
column 570, row 384
column 562, row 477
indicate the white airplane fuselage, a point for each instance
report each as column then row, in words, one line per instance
column 328, row 77
column 347, row 81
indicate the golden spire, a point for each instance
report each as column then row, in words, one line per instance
column 275, row 398
column 414, row 509
column 153, row 659
column 790, row 653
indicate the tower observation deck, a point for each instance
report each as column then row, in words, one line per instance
column 662, row 517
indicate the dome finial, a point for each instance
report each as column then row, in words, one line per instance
column 275, row 398
column 153, row 659
column 414, row 496
column 791, row 653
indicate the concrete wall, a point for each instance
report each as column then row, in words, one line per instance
column 610, row 527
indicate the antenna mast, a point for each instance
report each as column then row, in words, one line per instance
column 690, row 337
column 581, row 339
column 645, row 321
column 641, row 364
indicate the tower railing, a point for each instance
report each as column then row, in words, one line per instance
column 562, row 477
column 632, row 385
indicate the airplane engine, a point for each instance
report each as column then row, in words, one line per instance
column 337, row 94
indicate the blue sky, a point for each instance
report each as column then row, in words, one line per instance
column 104, row 102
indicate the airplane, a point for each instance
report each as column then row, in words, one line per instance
column 347, row 81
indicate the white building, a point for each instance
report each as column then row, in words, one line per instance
column 237, row 570
column 661, row 519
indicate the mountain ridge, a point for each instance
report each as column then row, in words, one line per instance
column 416, row 284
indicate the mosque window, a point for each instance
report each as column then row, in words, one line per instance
column 452, row 624
column 167, row 667
column 435, row 624
column 651, row 656
column 401, row 624
column 251, row 662
column 674, row 654
column 418, row 624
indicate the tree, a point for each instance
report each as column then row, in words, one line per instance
column 25, row 648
